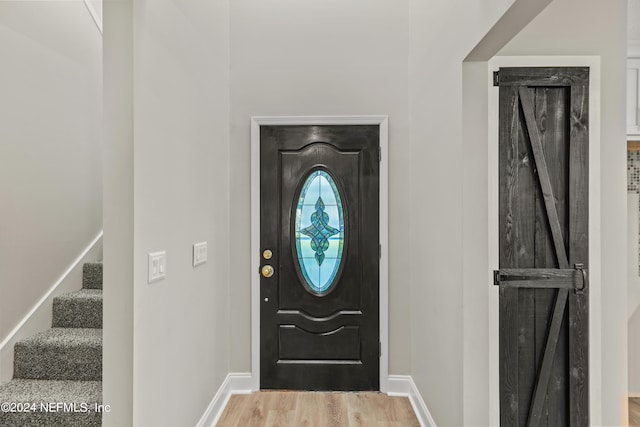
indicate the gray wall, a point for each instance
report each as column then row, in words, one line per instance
column 50, row 147
column 168, row 185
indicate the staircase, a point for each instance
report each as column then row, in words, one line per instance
column 57, row 378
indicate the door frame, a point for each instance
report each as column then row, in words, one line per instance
column 595, row 279
column 383, row 122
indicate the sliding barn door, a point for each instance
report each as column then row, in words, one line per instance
column 542, row 278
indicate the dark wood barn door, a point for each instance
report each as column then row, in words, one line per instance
column 543, row 178
column 319, row 237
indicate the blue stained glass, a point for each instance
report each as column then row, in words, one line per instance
column 319, row 231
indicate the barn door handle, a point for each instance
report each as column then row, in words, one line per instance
column 585, row 280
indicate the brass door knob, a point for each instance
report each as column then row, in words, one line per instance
column 267, row 271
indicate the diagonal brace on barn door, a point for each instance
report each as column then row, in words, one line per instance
column 526, row 100
column 540, row 391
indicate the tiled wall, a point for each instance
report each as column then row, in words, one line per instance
column 633, row 174
column 633, row 171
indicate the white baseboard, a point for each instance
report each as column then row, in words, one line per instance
column 39, row 317
column 403, row 385
column 234, row 383
column 243, row 383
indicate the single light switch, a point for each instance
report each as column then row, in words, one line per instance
column 199, row 253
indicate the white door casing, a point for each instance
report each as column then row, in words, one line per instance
column 256, row 122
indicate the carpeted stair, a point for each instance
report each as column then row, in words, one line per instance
column 57, row 378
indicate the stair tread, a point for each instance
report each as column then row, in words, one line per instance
column 52, row 403
column 23, row 390
column 60, row 354
column 90, row 294
column 65, row 337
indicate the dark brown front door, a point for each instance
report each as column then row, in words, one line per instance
column 319, row 297
column 543, row 175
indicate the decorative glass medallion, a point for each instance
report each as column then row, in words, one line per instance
column 319, row 231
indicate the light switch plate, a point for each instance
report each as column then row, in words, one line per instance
column 199, row 253
column 157, row 266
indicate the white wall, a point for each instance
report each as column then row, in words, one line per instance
column 633, row 25
column 593, row 27
column 174, row 150
column 402, row 58
column 449, row 179
column 475, row 274
column 97, row 7
column 320, row 58
column 50, row 149
column 634, row 353
column 633, row 222
column 633, row 292
column 181, row 196
column 118, row 303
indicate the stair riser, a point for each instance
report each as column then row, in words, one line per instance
column 92, row 276
column 58, row 363
column 77, row 313
column 52, row 419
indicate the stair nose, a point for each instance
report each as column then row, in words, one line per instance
column 60, row 354
column 92, row 275
column 81, row 309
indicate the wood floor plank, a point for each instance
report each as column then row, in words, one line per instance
column 397, row 424
column 366, row 409
column 280, row 408
column 305, row 410
column 320, row 409
column 253, row 413
column 317, row 409
column 336, row 408
column 634, row 411
column 400, row 411
column 232, row 411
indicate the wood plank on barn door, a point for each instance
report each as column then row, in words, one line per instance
column 579, row 253
column 541, row 389
column 544, row 247
column 550, row 120
column 510, row 163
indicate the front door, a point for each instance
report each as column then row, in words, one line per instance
column 319, row 259
column 543, row 175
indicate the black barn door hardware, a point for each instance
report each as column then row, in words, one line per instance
column 545, row 278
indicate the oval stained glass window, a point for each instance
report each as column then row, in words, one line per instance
column 319, row 231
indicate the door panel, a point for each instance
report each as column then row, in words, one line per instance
column 543, row 176
column 312, row 338
column 299, row 344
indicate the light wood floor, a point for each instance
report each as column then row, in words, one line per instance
column 634, row 411
column 315, row 409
